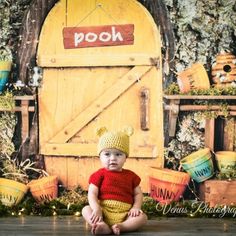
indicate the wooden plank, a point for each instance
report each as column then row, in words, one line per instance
column 30, row 109
column 57, row 166
column 56, row 112
column 173, row 115
column 83, row 167
column 98, row 59
column 200, row 97
column 25, row 97
column 82, row 150
column 229, row 134
column 100, row 104
column 73, row 172
column 210, row 133
column 218, row 192
column 98, row 36
column 24, row 120
column 73, row 14
column 204, row 107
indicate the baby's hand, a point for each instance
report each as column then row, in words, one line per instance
column 96, row 215
column 135, row 212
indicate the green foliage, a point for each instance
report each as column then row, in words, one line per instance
column 5, row 54
column 209, row 113
column 173, row 89
column 5, row 51
column 230, row 175
column 7, row 101
column 7, row 127
column 69, row 202
column 152, row 208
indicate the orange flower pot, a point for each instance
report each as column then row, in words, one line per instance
column 167, row 185
column 44, row 189
column 194, row 77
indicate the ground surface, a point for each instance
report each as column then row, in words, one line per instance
column 71, row 225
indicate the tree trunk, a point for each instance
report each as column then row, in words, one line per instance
column 31, row 27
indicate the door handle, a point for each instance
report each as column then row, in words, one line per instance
column 144, row 108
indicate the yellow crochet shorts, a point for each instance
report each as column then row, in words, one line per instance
column 114, row 211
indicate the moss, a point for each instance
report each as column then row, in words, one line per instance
column 7, row 128
column 7, row 101
column 202, row 29
column 173, row 89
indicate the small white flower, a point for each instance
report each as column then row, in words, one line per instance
column 233, row 84
column 19, row 83
column 222, row 79
column 218, row 75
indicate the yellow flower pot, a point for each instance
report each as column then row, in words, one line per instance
column 226, row 161
column 5, row 67
column 11, row 192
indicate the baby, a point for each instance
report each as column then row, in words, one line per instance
column 114, row 194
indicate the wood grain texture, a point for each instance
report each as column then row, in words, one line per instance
column 98, row 36
column 218, row 192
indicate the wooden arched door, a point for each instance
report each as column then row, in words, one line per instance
column 101, row 67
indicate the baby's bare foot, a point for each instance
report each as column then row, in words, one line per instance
column 93, row 227
column 116, row 229
column 101, row 228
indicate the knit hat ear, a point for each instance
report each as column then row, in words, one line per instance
column 100, row 131
column 128, row 130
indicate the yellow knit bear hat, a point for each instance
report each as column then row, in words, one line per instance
column 111, row 139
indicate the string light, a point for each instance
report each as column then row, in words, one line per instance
column 77, row 213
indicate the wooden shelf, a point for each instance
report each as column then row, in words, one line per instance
column 200, row 97
column 24, row 104
column 176, row 103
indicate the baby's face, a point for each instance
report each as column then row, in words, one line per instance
column 112, row 159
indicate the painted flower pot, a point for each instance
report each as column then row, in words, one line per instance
column 5, row 67
column 226, row 161
column 11, row 192
column 194, row 77
column 44, row 189
column 166, row 186
column 199, row 165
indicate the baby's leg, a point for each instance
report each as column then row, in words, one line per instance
column 97, row 228
column 87, row 212
column 130, row 224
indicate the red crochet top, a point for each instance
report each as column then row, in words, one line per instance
column 115, row 185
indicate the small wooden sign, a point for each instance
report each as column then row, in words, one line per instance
column 98, row 36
